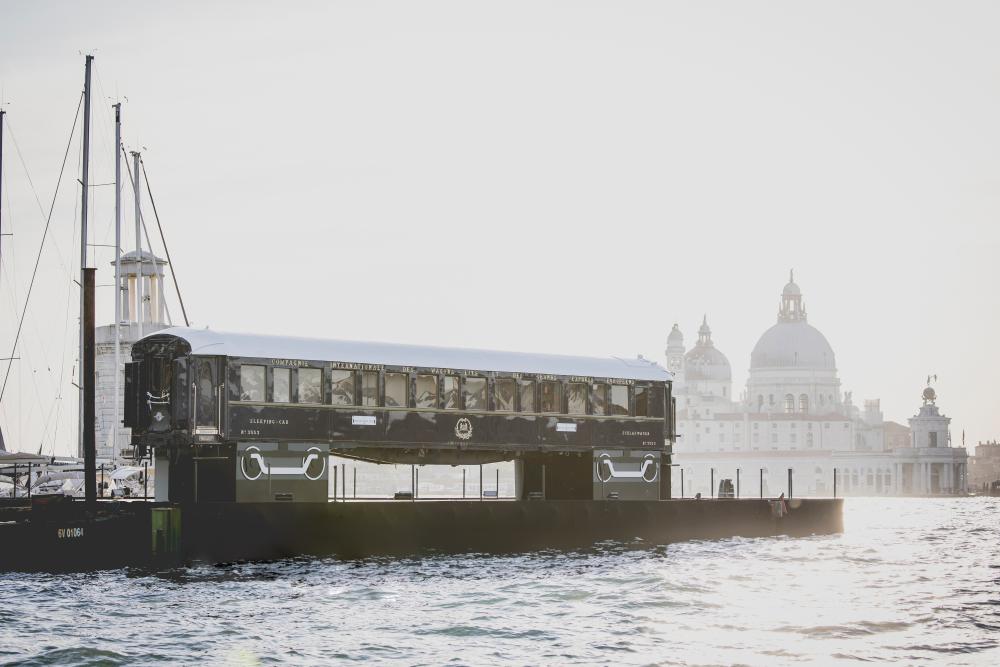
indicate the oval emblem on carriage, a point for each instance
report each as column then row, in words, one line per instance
column 250, row 465
column 463, row 429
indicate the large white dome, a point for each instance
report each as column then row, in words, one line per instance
column 792, row 342
column 792, row 345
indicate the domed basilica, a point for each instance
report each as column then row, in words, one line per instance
column 793, row 416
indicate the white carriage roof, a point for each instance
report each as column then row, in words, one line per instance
column 206, row 341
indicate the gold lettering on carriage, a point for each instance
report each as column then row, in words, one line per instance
column 290, row 362
column 342, row 365
column 268, row 422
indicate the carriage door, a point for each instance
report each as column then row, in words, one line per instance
column 206, row 395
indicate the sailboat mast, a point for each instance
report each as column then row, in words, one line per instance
column 3, row 446
column 85, row 182
column 118, row 277
column 88, row 374
column 2, row 114
column 138, row 240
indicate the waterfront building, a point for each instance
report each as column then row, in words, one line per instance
column 143, row 311
column 794, row 416
column 984, row 467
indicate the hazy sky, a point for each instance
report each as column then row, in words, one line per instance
column 546, row 176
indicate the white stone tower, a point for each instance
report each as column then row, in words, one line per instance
column 144, row 310
column 932, row 466
column 675, row 355
column 929, row 427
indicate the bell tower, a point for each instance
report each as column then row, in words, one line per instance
column 143, row 311
column 141, row 290
column 675, row 354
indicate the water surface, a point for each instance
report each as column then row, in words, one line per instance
column 911, row 581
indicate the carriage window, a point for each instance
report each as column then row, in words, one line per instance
column 281, row 389
column 503, row 394
column 600, row 398
column 310, row 385
column 475, row 393
column 657, row 401
column 619, row 399
column 342, row 387
column 526, row 391
column 396, row 385
column 576, row 398
column 369, row 388
column 252, row 383
column 427, row 391
column 641, row 401
column 450, row 394
column 551, row 396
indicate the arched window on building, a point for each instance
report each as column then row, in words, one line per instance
column 789, row 404
column 803, row 403
column 770, row 399
column 821, row 399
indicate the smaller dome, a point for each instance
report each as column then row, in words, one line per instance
column 704, row 361
column 707, row 363
column 929, row 394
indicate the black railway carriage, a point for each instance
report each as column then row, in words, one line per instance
column 249, row 417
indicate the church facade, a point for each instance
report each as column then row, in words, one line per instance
column 793, row 424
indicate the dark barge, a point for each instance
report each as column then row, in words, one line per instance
column 242, row 428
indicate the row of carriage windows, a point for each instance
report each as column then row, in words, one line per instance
column 449, row 392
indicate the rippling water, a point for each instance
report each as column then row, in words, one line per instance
column 911, row 581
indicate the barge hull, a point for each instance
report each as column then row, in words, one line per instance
column 357, row 529
column 69, row 538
